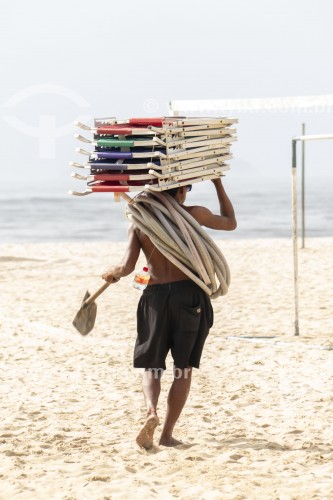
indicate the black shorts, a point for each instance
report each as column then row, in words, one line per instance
column 173, row 316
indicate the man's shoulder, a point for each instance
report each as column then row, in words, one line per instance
column 196, row 210
column 202, row 215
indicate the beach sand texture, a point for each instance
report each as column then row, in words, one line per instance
column 258, row 423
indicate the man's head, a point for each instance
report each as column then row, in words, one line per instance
column 179, row 193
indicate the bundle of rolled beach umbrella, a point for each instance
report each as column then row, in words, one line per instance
column 153, row 154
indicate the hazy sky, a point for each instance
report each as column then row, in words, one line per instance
column 68, row 58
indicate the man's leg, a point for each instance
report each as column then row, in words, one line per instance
column 151, row 386
column 177, row 397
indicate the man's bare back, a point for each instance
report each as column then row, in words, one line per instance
column 161, row 270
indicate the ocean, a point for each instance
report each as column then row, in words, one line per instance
column 262, row 210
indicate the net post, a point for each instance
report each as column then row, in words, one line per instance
column 303, row 187
column 295, row 232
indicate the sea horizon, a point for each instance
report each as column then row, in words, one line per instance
column 263, row 210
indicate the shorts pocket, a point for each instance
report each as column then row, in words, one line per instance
column 190, row 318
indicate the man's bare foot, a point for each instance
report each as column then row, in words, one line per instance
column 145, row 437
column 169, row 442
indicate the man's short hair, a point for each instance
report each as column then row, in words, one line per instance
column 172, row 192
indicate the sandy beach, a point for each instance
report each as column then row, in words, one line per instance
column 258, row 423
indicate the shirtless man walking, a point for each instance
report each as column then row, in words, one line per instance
column 174, row 313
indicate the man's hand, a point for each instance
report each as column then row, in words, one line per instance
column 217, row 181
column 109, row 276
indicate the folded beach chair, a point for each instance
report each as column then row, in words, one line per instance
column 116, row 129
column 119, row 176
column 178, row 143
column 107, row 142
column 120, row 187
column 175, row 121
column 119, row 165
column 181, row 132
column 161, row 179
column 134, row 164
column 162, row 154
column 152, row 168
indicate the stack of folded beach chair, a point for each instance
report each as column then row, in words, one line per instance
column 153, row 153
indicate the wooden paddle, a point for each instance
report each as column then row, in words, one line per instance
column 85, row 317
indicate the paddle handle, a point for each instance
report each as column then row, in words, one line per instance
column 97, row 294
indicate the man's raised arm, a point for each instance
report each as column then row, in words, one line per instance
column 226, row 220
